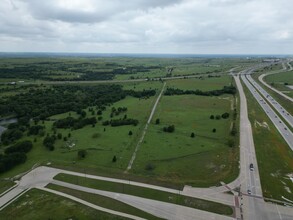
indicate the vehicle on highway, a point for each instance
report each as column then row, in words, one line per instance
column 251, row 167
column 249, row 192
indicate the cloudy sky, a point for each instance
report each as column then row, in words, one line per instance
column 147, row 26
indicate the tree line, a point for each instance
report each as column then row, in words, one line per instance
column 226, row 90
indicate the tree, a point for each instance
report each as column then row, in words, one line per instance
column 150, row 167
column 231, row 143
column 192, row 135
column 225, row 115
column 130, row 133
column 114, row 159
column 214, row 130
column 218, row 117
column 81, row 154
column 157, row 121
column 59, row 136
column 212, row 117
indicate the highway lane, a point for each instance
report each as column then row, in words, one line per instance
column 280, row 109
column 261, row 79
column 277, row 121
column 253, row 206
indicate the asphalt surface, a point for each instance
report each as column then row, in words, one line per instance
column 261, row 79
column 267, row 97
column 277, row 121
column 41, row 176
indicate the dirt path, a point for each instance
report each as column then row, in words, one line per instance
column 145, row 129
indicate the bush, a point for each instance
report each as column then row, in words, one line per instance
column 170, row 129
column 81, row 154
column 192, row 135
column 130, row 133
column 150, row 167
column 157, row 121
column 214, row 130
column 225, row 115
column 212, row 117
column 114, row 159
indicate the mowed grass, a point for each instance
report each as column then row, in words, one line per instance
column 201, row 161
column 274, row 157
column 279, row 81
column 101, row 146
column 104, row 202
column 147, row 193
column 38, row 204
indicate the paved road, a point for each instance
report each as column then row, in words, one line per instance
column 278, row 122
column 41, row 176
column 266, row 96
column 145, row 129
column 261, row 79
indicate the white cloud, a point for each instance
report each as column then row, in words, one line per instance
column 152, row 26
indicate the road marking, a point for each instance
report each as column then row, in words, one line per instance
column 279, row 212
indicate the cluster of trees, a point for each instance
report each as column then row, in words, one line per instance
column 85, row 70
column 121, row 122
column 170, row 129
column 117, row 111
column 226, row 90
column 35, row 130
column 22, row 147
column 218, row 117
column 71, row 122
column 146, row 93
column 11, row 135
column 14, row 155
column 42, row 103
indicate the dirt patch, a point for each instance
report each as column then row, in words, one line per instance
column 261, row 124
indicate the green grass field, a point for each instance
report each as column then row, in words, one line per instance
column 104, row 202
column 38, row 204
column 274, row 157
column 278, row 81
column 147, row 193
column 172, row 154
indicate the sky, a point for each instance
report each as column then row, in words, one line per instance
column 147, row 26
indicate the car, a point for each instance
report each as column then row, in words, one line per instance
column 249, row 192
column 251, row 167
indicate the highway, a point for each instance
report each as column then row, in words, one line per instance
column 267, row 97
column 277, row 121
column 261, row 79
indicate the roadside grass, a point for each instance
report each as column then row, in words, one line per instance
column 147, row 193
column 279, row 81
column 101, row 146
column 103, row 201
column 38, row 204
column 204, row 160
column 274, row 157
column 5, row 185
